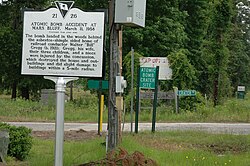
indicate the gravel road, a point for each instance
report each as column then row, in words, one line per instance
column 229, row 128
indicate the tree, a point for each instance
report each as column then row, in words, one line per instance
column 184, row 75
column 239, row 45
column 196, row 27
column 11, row 39
column 164, row 31
column 215, row 51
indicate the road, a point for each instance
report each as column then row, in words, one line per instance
column 229, row 128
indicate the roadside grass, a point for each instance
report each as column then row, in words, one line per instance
column 166, row 148
column 85, row 109
column 233, row 110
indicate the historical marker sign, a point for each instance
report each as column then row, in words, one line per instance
column 147, row 77
column 63, row 41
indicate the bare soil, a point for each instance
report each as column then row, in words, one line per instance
column 68, row 135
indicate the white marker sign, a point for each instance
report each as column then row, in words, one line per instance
column 165, row 72
column 63, row 41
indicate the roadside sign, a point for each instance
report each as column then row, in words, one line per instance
column 63, row 41
column 241, row 89
column 94, row 84
column 165, row 72
column 147, row 77
column 186, row 92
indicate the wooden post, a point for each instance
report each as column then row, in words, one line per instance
column 120, row 98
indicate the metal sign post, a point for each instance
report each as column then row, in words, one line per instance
column 60, row 93
column 155, row 99
column 137, row 100
column 132, row 89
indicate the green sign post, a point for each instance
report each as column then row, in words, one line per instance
column 147, row 78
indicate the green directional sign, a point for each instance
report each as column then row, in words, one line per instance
column 147, row 77
column 94, row 84
column 186, row 92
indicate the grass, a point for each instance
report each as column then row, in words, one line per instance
column 166, row 148
column 233, row 110
column 85, row 109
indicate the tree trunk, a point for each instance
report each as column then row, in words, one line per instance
column 25, row 93
column 71, row 91
column 13, row 94
column 216, row 82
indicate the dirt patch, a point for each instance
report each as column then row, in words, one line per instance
column 121, row 157
column 222, row 149
column 160, row 144
column 68, row 135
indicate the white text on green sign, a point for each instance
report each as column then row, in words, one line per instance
column 186, row 92
column 147, row 77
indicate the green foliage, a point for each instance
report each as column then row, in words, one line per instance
column 10, row 53
column 91, row 5
column 239, row 60
column 89, row 101
column 196, row 27
column 127, row 64
column 183, row 71
column 164, row 31
column 216, row 52
column 20, row 141
column 191, row 103
column 212, row 37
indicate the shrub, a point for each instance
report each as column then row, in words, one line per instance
column 20, row 141
column 188, row 103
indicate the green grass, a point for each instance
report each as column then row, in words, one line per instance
column 85, row 109
column 192, row 148
column 232, row 110
column 166, row 148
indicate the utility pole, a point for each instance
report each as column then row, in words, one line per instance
column 119, row 99
column 126, row 11
column 114, row 64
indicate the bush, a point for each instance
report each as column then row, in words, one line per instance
column 20, row 141
column 190, row 103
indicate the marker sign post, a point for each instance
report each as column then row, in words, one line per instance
column 62, row 41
